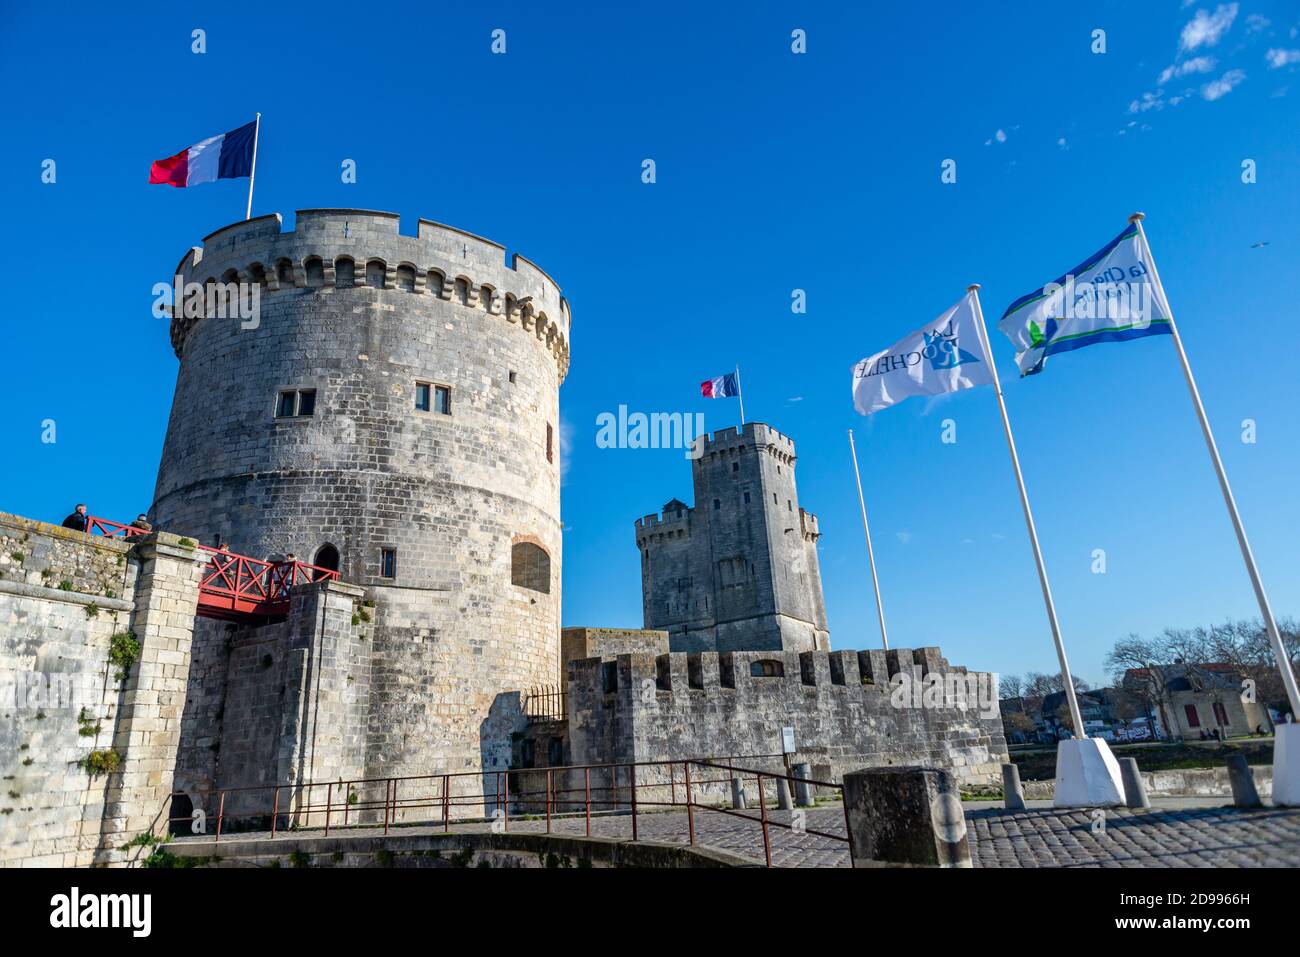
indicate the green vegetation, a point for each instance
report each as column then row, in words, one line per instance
column 103, row 761
column 123, row 652
column 19, row 557
column 187, row 543
column 92, row 610
column 299, row 859
column 87, row 726
column 65, row 585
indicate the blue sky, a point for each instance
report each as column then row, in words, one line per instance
column 775, row 172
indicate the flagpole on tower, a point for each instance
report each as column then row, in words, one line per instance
column 252, row 173
column 741, row 396
column 1066, row 677
column 871, row 555
column 1270, row 624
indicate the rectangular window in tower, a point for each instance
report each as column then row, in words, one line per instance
column 295, row 402
column 423, row 397
column 746, row 498
column 717, row 504
column 773, row 498
column 513, row 374
column 442, row 399
column 735, row 466
column 388, row 563
column 789, row 505
column 550, row 443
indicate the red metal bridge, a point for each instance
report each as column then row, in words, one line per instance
column 234, row 587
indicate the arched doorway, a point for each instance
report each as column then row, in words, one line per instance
column 180, row 815
column 327, row 556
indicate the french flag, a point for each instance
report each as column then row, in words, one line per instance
column 723, row 387
column 227, row 156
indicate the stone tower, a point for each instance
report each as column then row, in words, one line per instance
column 739, row 571
column 392, row 413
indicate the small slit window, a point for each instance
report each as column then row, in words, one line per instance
column 388, row 563
column 767, row 668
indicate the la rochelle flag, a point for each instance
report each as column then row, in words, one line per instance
column 942, row 356
column 1110, row 297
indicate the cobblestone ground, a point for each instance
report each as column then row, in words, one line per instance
column 1045, row 837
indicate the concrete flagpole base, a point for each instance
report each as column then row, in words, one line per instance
column 1087, row 774
column 1286, row 765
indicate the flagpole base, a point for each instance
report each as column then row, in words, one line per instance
column 1087, row 774
column 1286, row 765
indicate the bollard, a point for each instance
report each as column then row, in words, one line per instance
column 803, row 792
column 905, row 817
column 1013, row 794
column 737, row 795
column 782, row 793
column 1135, row 789
column 1244, row 792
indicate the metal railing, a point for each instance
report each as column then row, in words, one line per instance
column 233, row 586
column 545, row 703
column 570, row 792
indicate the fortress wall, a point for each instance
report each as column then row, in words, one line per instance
column 840, row 704
column 60, row 699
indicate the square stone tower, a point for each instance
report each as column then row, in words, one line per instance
column 739, row 570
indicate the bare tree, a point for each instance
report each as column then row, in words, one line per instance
column 1148, row 658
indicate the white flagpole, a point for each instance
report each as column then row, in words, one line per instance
column 252, row 173
column 871, row 555
column 740, row 394
column 1274, row 637
column 1066, row 677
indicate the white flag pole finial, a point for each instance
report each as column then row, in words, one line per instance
column 871, row 555
column 1066, row 678
column 1265, row 610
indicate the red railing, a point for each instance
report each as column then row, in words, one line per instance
column 234, row 586
column 571, row 796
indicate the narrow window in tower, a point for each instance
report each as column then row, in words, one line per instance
column 550, row 441
column 735, row 466
column 388, row 563
column 773, row 498
column 513, row 375
column 717, row 504
column 789, row 506
column 442, row 399
column 294, row 402
column 306, row 401
column 746, row 498
column 423, row 396
column 285, row 406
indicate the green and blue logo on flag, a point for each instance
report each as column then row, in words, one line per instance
column 1112, row 296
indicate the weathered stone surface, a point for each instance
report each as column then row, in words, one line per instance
column 905, row 816
column 361, row 314
column 739, row 571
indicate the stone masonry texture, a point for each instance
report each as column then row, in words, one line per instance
column 364, row 315
column 63, row 596
column 739, row 570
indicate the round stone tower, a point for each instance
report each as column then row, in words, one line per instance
column 389, row 409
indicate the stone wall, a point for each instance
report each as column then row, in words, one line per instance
column 844, row 707
column 64, row 596
column 578, row 643
column 273, row 705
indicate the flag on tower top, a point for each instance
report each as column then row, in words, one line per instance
column 723, row 387
column 227, row 156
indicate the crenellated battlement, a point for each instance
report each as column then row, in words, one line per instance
column 847, row 709
column 331, row 250
column 758, row 435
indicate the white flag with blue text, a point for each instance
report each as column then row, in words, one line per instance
column 1110, row 297
column 944, row 355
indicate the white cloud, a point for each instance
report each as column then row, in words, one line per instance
column 1149, row 101
column 1062, row 144
column 1224, row 85
column 904, row 537
column 1000, row 136
column 1280, row 58
column 1200, row 64
column 1256, row 22
column 1206, row 29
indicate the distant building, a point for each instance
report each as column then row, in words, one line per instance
column 1200, row 698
